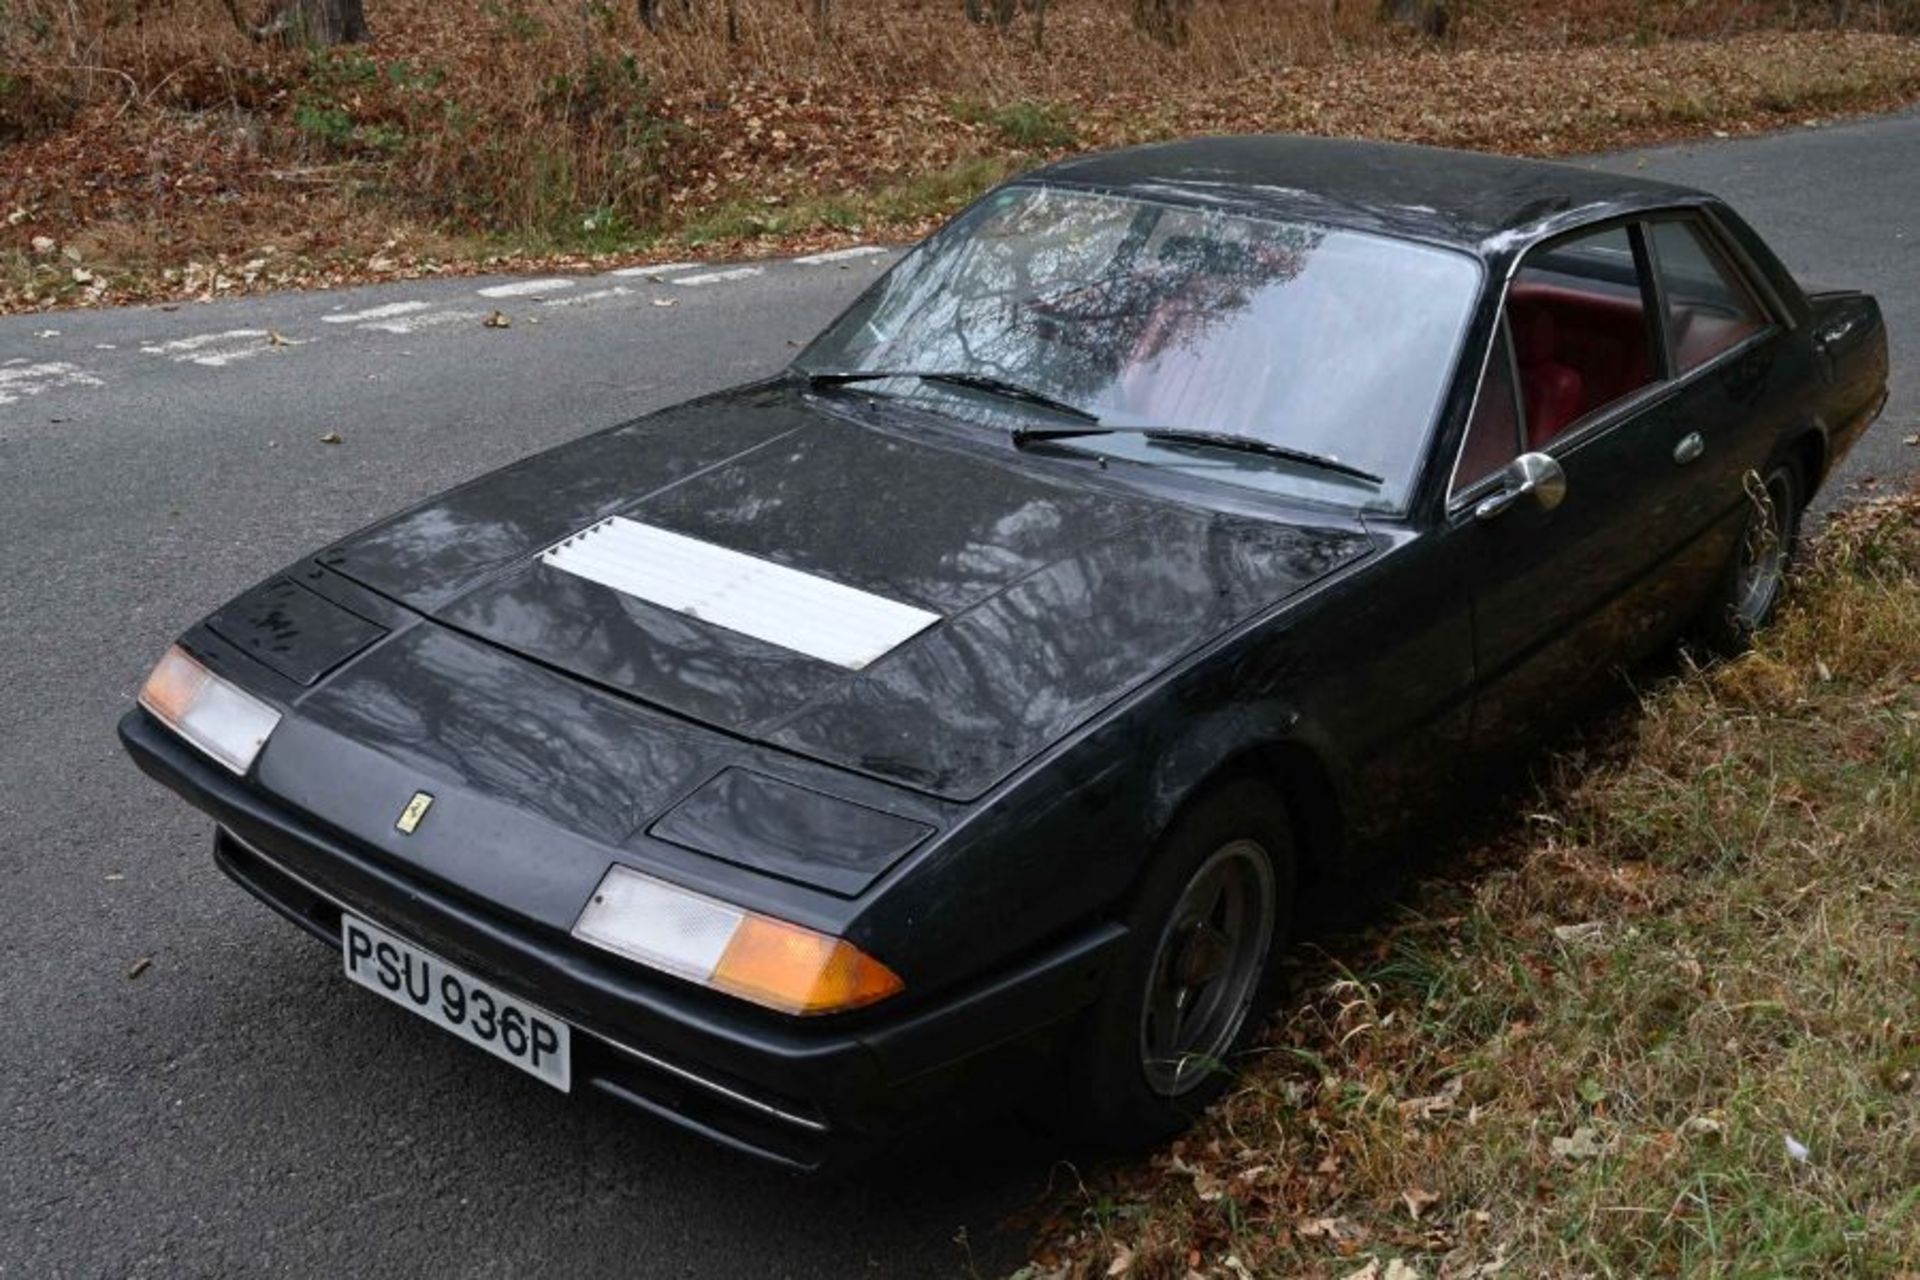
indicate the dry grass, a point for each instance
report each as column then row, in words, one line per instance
column 142, row 139
column 1670, row 1028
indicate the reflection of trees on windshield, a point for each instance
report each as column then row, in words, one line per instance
column 1066, row 293
column 1330, row 341
column 1174, row 293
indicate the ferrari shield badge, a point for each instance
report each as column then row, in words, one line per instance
column 411, row 815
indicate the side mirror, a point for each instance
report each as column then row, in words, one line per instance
column 1531, row 475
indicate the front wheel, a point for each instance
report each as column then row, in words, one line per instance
column 1755, row 579
column 1193, row 980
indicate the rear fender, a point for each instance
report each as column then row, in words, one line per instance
column 1849, row 337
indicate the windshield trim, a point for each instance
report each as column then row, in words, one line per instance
column 1401, row 504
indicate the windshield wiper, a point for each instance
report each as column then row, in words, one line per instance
column 1202, row 439
column 958, row 378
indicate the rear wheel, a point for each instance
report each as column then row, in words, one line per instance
column 1194, row 978
column 1755, row 579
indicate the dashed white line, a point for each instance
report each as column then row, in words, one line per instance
column 840, row 255
column 657, row 269
column 218, row 350
column 198, row 341
column 520, row 288
column 431, row 320
column 376, row 313
column 715, row 277
column 18, row 381
column 221, row 359
column 574, row 300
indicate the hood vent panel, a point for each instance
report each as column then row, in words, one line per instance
column 770, row 602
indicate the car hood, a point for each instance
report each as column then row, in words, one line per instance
column 1024, row 600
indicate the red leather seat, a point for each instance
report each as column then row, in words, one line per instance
column 1577, row 351
column 1553, row 391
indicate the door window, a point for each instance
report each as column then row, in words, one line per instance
column 1493, row 437
column 1708, row 309
column 1581, row 332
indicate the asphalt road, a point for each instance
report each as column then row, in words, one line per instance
column 238, row 1108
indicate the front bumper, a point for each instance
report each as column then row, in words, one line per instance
column 800, row 1093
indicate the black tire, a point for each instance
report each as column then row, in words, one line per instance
column 1751, row 586
column 1118, row 1091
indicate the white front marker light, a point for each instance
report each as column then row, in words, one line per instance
column 771, row 962
column 218, row 717
column 658, row 924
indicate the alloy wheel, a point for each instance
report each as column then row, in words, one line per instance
column 1207, row 967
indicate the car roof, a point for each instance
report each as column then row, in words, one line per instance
column 1487, row 203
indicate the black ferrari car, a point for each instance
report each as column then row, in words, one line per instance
column 980, row 704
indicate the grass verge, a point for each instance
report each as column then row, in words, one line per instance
column 1669, row 1027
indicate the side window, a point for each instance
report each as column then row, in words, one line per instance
column 1708, row 309
column 1582, row 337
column 1493, row 437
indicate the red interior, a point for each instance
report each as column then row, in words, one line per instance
column 1699, row 337
column 1576, row 352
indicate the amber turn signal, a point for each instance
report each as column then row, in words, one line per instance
column 796, row 970
column 770, row 962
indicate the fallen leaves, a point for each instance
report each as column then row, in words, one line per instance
column 1418, row 1200
column 497, row 320
column 874, row 135
column 1581, row 934
column 1434, row 1106
column 1584, row 1143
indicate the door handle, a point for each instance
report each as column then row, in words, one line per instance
column 1689, row 449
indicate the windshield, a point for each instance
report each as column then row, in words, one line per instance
column 1329, row 342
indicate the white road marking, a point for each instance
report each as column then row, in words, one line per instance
column 18, row 381
column 658, row 269
column 840, row 255
column 574, row 300
column 715, row 277
column 198, row 341
column 431, row 320
column 221, row 359
column 376, row 313
column 218, row 350
column 520, row 288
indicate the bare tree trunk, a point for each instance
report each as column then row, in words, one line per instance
column 1000, row 13
column 1038, row 10
column 319, row 23
column 1428, row 17
column 653, row 16
column 1164, row 20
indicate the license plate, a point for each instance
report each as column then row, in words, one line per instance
column 531, row 1039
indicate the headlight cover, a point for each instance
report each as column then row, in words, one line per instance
column 220, row 718
column 770, row 962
